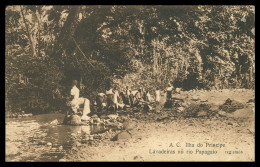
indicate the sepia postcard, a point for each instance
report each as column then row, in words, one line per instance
column 127, row 83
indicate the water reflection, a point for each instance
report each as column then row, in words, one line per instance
column 27, row 138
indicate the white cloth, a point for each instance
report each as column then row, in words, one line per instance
column 116, row 94
column 170, row 88
column 148, row 97
column 127, row 92
column 74, row 92
column 78, row 101
column 109, row 92
column 157, row 95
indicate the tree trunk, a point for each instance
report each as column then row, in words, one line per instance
column 28, row 33
column 65, row 33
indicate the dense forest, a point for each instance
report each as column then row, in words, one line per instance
column 193, row 47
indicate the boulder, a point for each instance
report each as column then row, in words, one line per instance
column 49, row 144
column 61, row 148
column 127, row 125
column 231, row 106
column 54, row 122
column 124, row 135
column 75, row 120
column 178, row 90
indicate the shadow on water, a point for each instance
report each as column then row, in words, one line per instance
column 29, row 137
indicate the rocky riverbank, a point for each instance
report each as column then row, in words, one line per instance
column 199, row 118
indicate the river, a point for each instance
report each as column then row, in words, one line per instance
column 27, row 138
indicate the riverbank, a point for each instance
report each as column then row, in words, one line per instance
column 171, row 135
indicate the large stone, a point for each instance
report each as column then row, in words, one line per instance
column 75, row 120
column 49, row 144
column 122, row 136
column 128, row 125
column 54, row 122
column 178, row 90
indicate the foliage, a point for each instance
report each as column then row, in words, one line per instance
column 192, row 47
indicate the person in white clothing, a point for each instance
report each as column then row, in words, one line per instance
column 157, row 95
column 148, row 96
column 116, row 95
column 76, row 101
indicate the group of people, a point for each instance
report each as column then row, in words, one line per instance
column 113, row 99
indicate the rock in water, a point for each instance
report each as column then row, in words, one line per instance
column 122, row 136
column 60, row 148
column 54, row 122
column 178, row 90
column 75, row 120
column 49, row 144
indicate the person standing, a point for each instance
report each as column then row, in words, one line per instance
column 131, row 98
column 76, row 101
column 127, row 91
column 148, row 96
column 157, row 95
column 111, row 106
column 116, row 95
column 169, row 91
column 127, row 96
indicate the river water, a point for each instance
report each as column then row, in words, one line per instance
column 27, row 138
